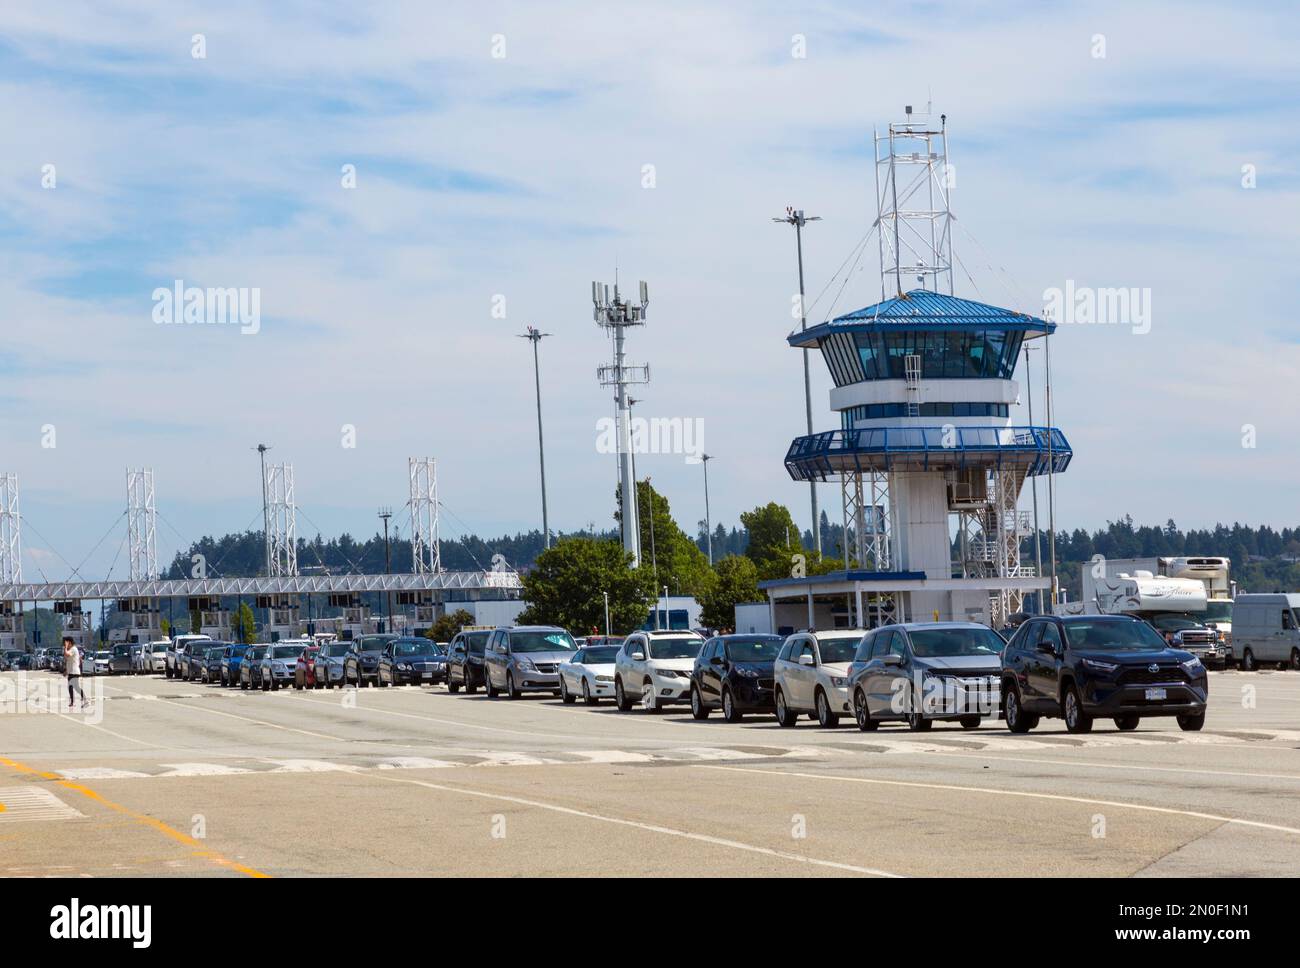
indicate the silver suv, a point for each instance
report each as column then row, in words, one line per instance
column 525, row 658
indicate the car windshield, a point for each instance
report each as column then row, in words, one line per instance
column 238, row 649
column 1172, row 622
column 1113, row 636
column 541, row 642
column 416, row 648
column 841, row 649
column 161, row 647
column 597, row 654
column 375, row 643
column 285, row 651
column 679, row 648
column 121, row 650
column 945, row 643
column 217, row 653
column 1218, row 611
column 257, row 653
column 762, row 649
column 335, row 649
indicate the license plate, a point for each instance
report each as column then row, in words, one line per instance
column 1155, row 694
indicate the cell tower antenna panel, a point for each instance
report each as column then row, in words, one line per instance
column 426, row 556
column 11, row 545
column 282, row 515
column 913, row 187
column 142, row 525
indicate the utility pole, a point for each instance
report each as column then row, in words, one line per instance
column 799, row 220
column 708, row 524
column 606, row 594
column 535, row 336
column 1033, row 483
column 385, row 514
column 654, row 564
column 266, row 519
column 1051, row 466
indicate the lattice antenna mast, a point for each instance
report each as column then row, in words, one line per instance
column 282, row 521
column 425, row 552
column 11, row 544
column 615, row 315
column 142, row 525
column 913, row 186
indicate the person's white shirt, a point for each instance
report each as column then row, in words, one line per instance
column 73, row 661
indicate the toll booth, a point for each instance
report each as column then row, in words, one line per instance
column 283, row 617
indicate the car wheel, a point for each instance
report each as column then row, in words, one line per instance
column 1295, row 658
column 1248, row 661
column 862, row 714
column 242, row 683
column 471, row 686
column 825, row 718
column 587, row 697
column 262, row 680
column 1127, row 723
column 729, row 711
column 1018, row 721
column 488, row 688
column 512, row 691
column 970, row 722
column 452, row 687
column 566, row 697
column 621, row 699
column 1191, row 724
column 379, row 680
column 1076, row 720
column 698, row 709
column 915, row 718
column 784, row 716
column 649, row 701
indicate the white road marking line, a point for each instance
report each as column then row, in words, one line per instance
column 99, row 773
column 1088, row 764
column 612, row 756
column 652, row 828
column 958, row 788
column 27, row 803
column 414, row 763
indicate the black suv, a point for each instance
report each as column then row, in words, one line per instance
column 465, row 660
column 361, row 664
column 1083, row 667
column 734, row 672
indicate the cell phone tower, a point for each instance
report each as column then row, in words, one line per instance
column 282, row 521
column 615, row 314
column 142, row 525
column 11, row 544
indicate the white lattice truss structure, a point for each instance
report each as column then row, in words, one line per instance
column 282, row 520
column 141, row 525
column 863, row 497
column 11, row 543
column 426, row 555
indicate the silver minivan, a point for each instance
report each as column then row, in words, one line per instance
column 1266, row 628
column 525, row 658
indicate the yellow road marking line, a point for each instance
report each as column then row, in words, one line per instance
column 198, row 849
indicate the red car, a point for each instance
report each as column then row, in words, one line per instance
column 304, row 673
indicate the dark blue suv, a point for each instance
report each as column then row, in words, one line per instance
column 735, row 672
column 1087, row 667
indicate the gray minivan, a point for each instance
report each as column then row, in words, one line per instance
column 1266, row 628
column 525, row 658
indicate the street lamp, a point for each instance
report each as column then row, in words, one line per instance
column 535, row 336
column 266, row 520
column 708, row 525
column 606, row 594
column 797, row 218
column 385, row 514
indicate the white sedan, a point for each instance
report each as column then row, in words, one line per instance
column 589, row 674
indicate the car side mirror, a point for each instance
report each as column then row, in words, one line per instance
column 806, row 660
column 1046, row 648
column 637, row 656
column 891, row 660
column 717, row 660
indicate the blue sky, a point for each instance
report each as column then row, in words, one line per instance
column 521, row 176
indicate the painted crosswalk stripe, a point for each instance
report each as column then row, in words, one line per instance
column 23, row 804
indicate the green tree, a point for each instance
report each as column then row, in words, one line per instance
column 242, row 625
column 166, row 629
column 666, row 550
column 736, row 582
column 447, row 625
column 566, row 587
column 196, row 623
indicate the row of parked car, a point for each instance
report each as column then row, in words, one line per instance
column 1077, row 668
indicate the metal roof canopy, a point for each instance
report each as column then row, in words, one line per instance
column 884, row 449
column 281, row 585
column 921, row 309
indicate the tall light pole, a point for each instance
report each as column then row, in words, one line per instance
column 266, row 520
column 708, row 524
column 606, row 594
column 534, row 336
column 385, row 514
column 797, row 218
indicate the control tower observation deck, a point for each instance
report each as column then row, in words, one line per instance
column 929, row 463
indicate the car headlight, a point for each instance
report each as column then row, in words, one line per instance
column 666, row 673
column 1193, row 666
column 524, row 662
column 604, row 678
column 1097, row 665
column 748, row 673
column 404, row 666
column 839, row 682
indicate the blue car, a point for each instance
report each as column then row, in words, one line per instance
column 250, row 667
column 230, row 662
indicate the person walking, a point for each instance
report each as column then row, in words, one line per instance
column 72, row 668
